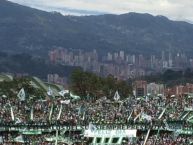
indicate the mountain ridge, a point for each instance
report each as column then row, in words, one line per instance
column 29, row 30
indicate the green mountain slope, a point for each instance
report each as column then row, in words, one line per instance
column 24, row 29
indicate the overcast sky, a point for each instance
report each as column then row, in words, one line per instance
column 174, row 9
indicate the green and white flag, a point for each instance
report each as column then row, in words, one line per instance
column 175, row 134
column 63, row 92
column 81, row 110
column 65, row 102
column 74, row 97
column 19, row 139
column 49, row 92
column 146, row 117
column 92, row 127
column 21, row 95
column 116, row 96
column 190, row 120
column 18, row 121
column 191, row 142
column 50, row 139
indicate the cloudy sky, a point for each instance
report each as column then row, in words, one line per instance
column 174, row 9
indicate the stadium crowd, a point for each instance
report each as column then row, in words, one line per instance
column 148, row 111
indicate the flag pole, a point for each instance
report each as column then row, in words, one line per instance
column 146, row 137
column 156, row 136
column 59, row 114
column 137, row 117
column 162, row 113
column 56, row 142
column 12, row 115
column 51, row 113
column 130, row 115
column 32, row 116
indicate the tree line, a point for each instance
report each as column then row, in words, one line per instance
column 89, row 84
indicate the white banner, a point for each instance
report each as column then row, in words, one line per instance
column 110, row 133
column 65, row 101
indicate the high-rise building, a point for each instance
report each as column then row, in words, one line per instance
column 133, row 59
column 141, row 61
column 109, row 56
column 170, row 62
column 54, row 56
column 163, row 56
column 116, row 55
column 122, row 55
column 153, row 60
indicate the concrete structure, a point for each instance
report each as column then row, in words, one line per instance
column 180, row 90
column 154, row 89
column 55, row 78
column 140, row 88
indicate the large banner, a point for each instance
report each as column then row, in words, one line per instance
column 31, row 132
column 110, row 133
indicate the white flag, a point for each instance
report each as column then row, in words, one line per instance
column 116, row 96
column 74, row 97
column 19, row 139
column 92, row 127
column 21, row 95
column 145, row 116
column 63, row 92
column 18, row 121
column 65, row 102
column 49, row 92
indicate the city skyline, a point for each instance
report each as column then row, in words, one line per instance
column 121, row 64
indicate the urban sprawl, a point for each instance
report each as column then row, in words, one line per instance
column 121, row 64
